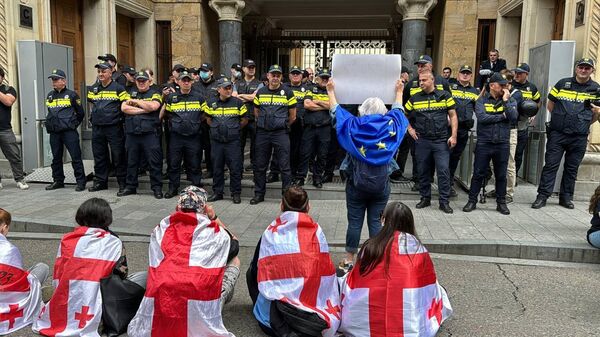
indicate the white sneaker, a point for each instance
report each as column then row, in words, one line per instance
column 22, row 185
column 0, row 186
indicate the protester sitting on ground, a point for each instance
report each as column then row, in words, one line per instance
column 192, row 273
column 20, row 289
column 86, row 255
column 593, row 234
column 371, row 140
column 393, row 288
column 291, row 278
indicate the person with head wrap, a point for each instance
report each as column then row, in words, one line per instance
column 192, row 273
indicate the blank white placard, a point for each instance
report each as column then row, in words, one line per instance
column 358, row 77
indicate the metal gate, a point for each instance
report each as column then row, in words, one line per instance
column 316, row 52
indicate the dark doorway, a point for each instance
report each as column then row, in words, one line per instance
column 163, row 51
column 67, row 28
column 486, row 40
column 125, row 40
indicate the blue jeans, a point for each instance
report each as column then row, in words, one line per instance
column 594, row 239
column 357, row 202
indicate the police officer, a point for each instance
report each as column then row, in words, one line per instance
column 65, row 113
column 129, row 73
column 274, row 111
column 226, row 116
column 245, row 89
column 529, row 91
column 117, row 76
column 185, row 112
column 447, row 75
column 142, row 123
column 496, row 110
column 317, row 130
column 429, row 110
column 207, row 87
column 107, row 128
column 572, row 114
column 465, row 96
column 236, row 73
column 297, row 127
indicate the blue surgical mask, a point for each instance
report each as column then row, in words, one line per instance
column 205, row 75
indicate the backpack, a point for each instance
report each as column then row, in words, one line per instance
column 369, row 178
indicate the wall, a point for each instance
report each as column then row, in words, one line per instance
column 459, row 27
column 537, row 25
column 210, row 37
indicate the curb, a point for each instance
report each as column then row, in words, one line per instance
column 26, row 225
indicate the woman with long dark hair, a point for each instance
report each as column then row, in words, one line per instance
column 593, row 234
column 393, row 285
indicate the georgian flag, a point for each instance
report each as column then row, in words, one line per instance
column 20, row 295
column 85, row 256
column 294, row 266
column 187, row 256
column 404, row 300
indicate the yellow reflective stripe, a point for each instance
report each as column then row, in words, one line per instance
column 439, row 86
column 274, row 99
column 536, row 96
column 225, row 111
column 459, row 94
column 292, row 101
column 123, row 96
column 256, row 100
column 320, row 97
column 414, row 91
column 108, row 95
column 59, row 103
column 408, row 106
column 570, row 95
column 554, row 91
column 429, row 105
column 299, row 94
column 450, row 101
column 489, row 108
column 243, row 109
column 184, row 106
column 157, row 97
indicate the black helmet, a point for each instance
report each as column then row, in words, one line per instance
column 528, row 108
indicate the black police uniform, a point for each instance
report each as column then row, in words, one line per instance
column 185, row 117
column 208, row 90
column 529, row 92
column 497, row 67
column 272, row 132
column 165, row 125
column 242, row 87
column 297, row 128
column 120, row 78
column 143, row 140
column 408, row 143
column 494, row 120
column 465, row 98
column 65, row 113
column 107, row 130
column 429, row 113
column 567, row 134
column 225, row 117
column 316, row 137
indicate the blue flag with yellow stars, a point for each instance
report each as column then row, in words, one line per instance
column 374, row 139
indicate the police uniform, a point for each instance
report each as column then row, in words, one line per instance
column 208, row 89
column 408, row 144
column 107, row 130
column 529, row 92
column 65, row 113
column 242, row 87
column 225, row 117
column 465, row 98
column 143, row 140
column 297, row 127
column 567, row 134
column 494, row 119
column 185, row 117
column 272, row 132
column 316, row 135
column 429, row 115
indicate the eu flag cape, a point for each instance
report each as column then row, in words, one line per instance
column 373, row 139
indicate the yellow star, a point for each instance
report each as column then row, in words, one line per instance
column 381, row 146
column 363, row 151
column 391, row 122
column 392, row 133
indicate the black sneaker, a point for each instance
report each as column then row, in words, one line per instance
column 80, row 188
column 425, row 202
column 318, row 184
column 97, row 187
column 470, row 206
column 453, row 193
column 170, row 194
column 215, row 197
column 158, row 194
column 272, row 178
column 503, row 209
column 237, row 199
column 257, row 199
column 55, row 185
column 446, row 208
column 539, row 203
column 125, row 192
column 566, row 204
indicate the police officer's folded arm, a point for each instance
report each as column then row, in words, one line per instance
column 484, row 117
column 148, row 106
column 291, row 115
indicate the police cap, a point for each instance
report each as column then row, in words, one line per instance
column 129, row 70
column 424, row 59
column 56, row 74
column 206, row 67
column 465, row 68
column 324, row 73
column 586, row 62
column 178, row 67
column 142, row 75
column 275, row 69
column 185, row 74
column 194, row 71
column 236, row 66
column 224, row 82
column 405, row 70
column 522, row 68
column 103, row 65
column 498, row 78
column 107, row 57
column 249, row 63
column 296, row 70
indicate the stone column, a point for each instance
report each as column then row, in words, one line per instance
column 230, row 31
column 414, row 28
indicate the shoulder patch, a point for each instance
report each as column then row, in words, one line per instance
column 567, row 85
